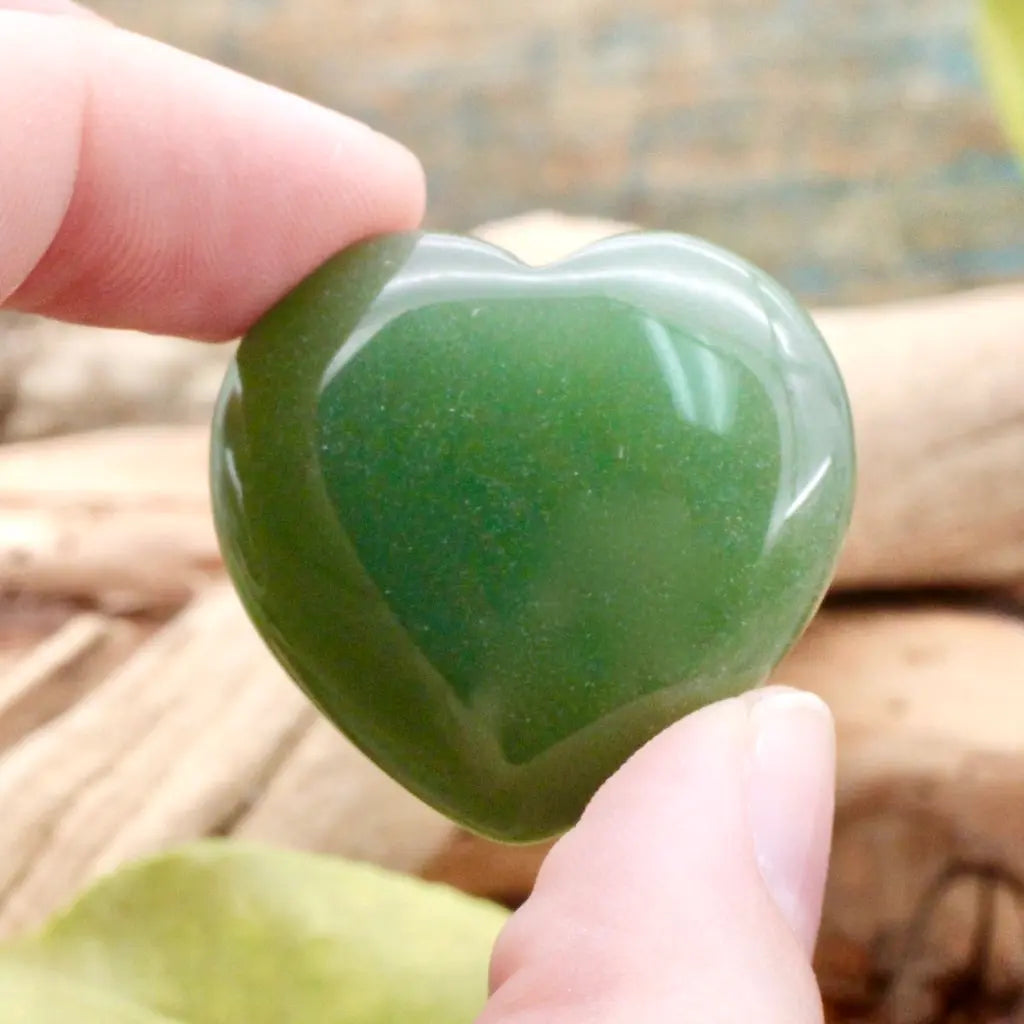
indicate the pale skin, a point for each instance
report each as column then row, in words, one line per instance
column 145, row 188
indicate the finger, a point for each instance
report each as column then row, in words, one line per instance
column 168, row 194
column 47, row 7
column 691, row 889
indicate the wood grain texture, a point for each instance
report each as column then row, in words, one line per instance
column 119, row 518
column 937, row 391
column 929, row 704
column 173, row 744
column 56, row 674
column 936, row 386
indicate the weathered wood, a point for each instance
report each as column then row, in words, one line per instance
column 327, row 797
column 57, row 378
column 198, row 733
column 27, row 621
column 546, row 236
column 929, row 705
column 502, row 873
column 57, row 673
column 937, row 389
column 173, row 745
column 120, row 518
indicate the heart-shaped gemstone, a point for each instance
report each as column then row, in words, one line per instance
column 504, row 524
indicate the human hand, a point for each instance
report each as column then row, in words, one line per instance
column 145, row 188
column 691, row 889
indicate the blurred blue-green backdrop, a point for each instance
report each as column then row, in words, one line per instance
column 848, row 146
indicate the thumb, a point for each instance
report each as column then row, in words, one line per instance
column 691, row 889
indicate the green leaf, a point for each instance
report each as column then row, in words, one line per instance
column 1001, row 42
column 32, row 996
column 221, row 933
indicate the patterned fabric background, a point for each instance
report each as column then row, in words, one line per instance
column 848, row 146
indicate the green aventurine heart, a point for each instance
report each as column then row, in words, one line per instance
column 504, row 524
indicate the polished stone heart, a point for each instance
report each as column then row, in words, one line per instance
column 504, row 524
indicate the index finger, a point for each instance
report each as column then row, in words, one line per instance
column 150, row 189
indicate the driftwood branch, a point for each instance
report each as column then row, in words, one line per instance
column 57, row 673
column 118, row 518
column 937, row 390
column 929, row 705
column 174, row 744
column 936, row 385
column 56, row 378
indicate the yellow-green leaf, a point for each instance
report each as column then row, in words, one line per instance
column 1001, row 41
column 221, row 933
column 29, row 995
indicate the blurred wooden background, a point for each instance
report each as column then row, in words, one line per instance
column 848, row 147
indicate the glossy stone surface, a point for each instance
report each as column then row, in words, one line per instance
column 504, row 524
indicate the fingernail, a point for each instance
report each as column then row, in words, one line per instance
column 791, row 792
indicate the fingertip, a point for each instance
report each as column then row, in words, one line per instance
column 407, row 184
column 338, row 210
column 662, row 888
column 625, row 870
column 791, row 801
column 187, row 199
